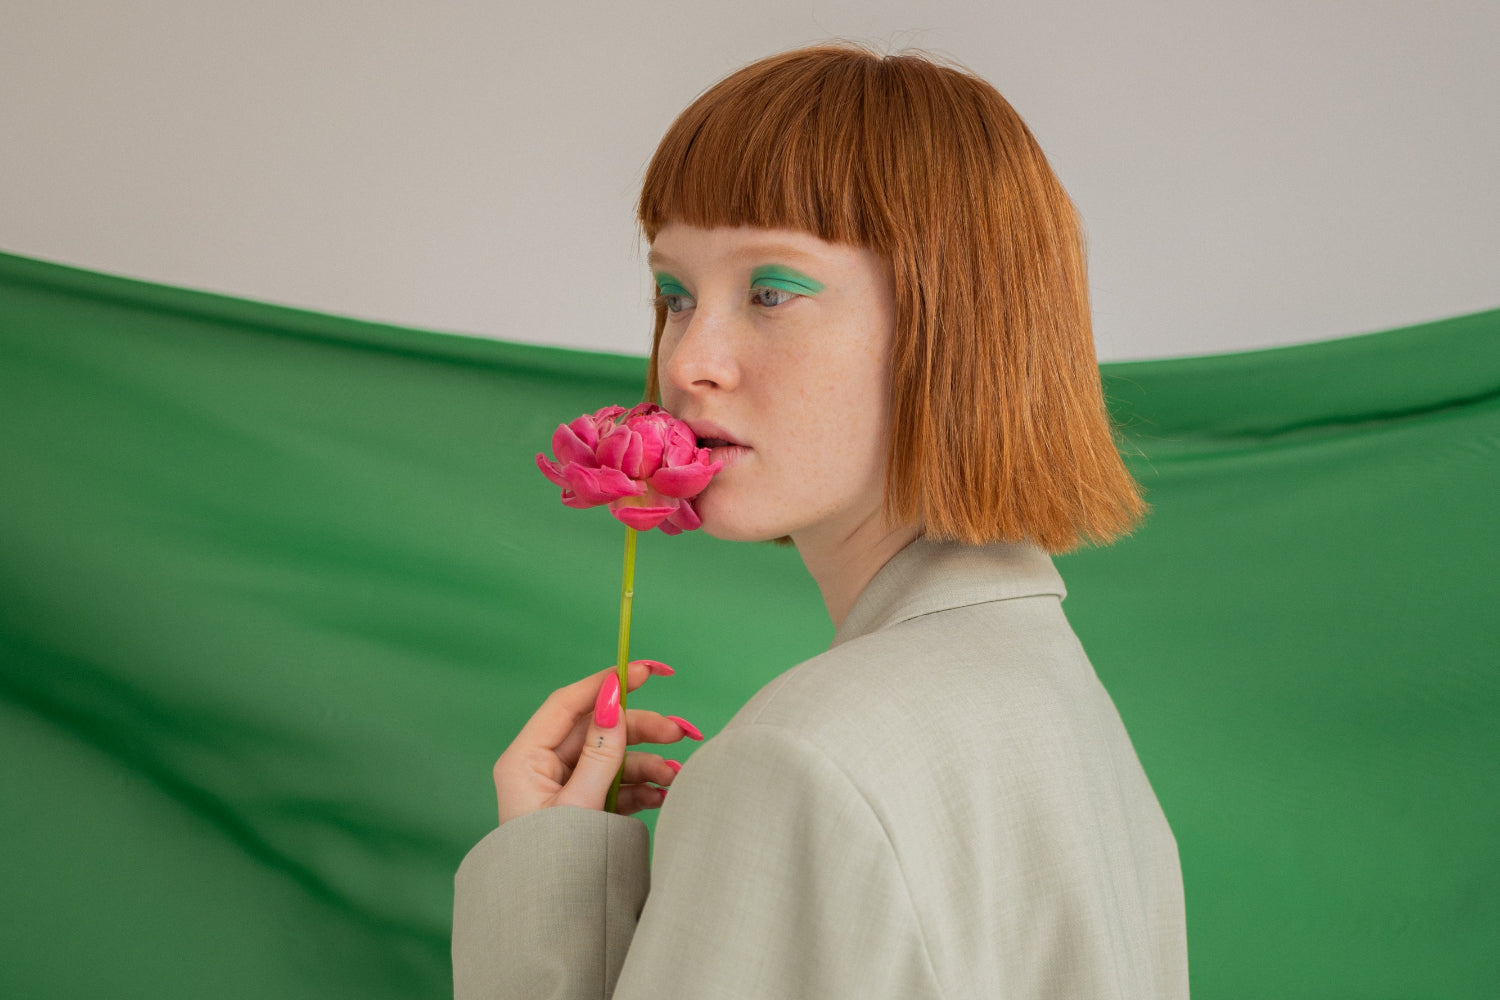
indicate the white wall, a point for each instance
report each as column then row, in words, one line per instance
column 1250, row 174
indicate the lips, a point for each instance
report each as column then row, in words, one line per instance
column 711, row 435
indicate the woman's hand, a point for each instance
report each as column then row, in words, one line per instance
column 569, row 752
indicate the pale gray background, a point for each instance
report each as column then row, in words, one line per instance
column 1250, row 174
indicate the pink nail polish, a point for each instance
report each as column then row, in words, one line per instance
column 607, row 706
column 657, row 668
column 675, row 765
column 692, row 731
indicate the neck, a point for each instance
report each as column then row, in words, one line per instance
column 843, row 565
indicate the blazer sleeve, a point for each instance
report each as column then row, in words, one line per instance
column 545, row 906
column 773, row 877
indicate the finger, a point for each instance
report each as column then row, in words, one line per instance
column 635, row 798
column 643, row 767
column 602, row 753
column 656, row 668
column 642, row 726
column 526, row 780
column 564, row 708
column 647, row 726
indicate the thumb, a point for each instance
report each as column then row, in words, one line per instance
column 603, row 751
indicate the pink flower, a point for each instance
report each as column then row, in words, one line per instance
column 646, row 466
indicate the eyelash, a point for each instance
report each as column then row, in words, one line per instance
column 663, row 301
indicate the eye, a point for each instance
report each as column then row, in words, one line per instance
column 770, row 297
column 672, row 294
column 674, row 303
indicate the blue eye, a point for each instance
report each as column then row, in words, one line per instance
column 674, row 303
column 770, row 297
column 672, row 294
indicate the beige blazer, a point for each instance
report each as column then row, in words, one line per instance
column 944, row 804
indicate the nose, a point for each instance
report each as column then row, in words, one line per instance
column 700, row 355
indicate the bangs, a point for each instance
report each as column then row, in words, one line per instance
column 785, row 143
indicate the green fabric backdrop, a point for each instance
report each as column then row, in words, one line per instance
column 276, row 588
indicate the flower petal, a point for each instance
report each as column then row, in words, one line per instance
column 611, row 450
column 635, row 464
column 642, row 410
column 575, row 442
column 651, row 432
column 681, row 445
column 607, row 415
column 598, row 486
column 552, row 471
column 642, row 518
column 684, row 481
column 685, row 519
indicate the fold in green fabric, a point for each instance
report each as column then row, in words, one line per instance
column 276, row 588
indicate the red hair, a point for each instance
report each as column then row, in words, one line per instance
column 998, row 424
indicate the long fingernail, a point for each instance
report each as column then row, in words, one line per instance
column 675, row 765
column 657, row 667
column 607, row 706
column 692, row 731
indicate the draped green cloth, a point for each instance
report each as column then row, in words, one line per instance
column 276, row 588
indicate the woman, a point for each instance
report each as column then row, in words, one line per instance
column 873, row 307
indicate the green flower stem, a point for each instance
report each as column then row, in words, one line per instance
column 627, row 594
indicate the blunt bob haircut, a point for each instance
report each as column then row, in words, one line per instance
column 998, row 426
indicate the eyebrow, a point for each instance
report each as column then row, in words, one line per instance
column 755, row 251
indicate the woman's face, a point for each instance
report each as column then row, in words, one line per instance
column 777, row 352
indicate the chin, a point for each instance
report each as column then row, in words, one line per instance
column 722, row 524
column 737, row 533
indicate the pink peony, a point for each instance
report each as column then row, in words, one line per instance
column 646, row 465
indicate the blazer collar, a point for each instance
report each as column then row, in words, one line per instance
column 929, row 576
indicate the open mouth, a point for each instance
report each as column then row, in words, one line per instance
column 711, row 435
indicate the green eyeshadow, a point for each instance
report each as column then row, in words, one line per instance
column 786, row 279
column 668, row 285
